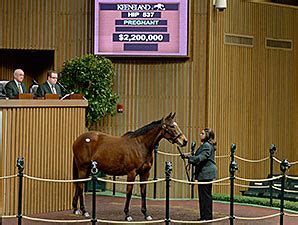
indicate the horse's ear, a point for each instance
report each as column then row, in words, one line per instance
column 173, row 115
column 169, row 116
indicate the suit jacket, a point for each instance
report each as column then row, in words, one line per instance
column 12, row 90
column 46, row 89
column 203, row 160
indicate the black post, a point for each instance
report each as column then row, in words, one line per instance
column 233, row 168
column 155, row 170
column 94, row 173
column 284, row 165
column 20, row 165
column 272, row 151
column 168, row 170
column 114, row 185
column 193, row 147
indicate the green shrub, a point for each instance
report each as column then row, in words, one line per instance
column 92, row 76
column 256, row 201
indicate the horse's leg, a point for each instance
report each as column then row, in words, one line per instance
column 79, row 192
column 82, row 201
column 144, row 177
column 76, row 195
column 75, row 199
column 83, row 174
column 130, row 178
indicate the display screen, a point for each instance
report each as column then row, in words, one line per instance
column 141, row 27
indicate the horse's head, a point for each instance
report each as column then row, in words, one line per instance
column 172, row 132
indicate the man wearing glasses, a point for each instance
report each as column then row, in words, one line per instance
column 50, row 86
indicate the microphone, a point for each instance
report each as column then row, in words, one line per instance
column 193, row 147
column 33, row 86
column 62, row 87
column 67, row 91
column 34, row 81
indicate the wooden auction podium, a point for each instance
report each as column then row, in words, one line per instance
column 24, row 96
column 51, row 96
column 41, row 131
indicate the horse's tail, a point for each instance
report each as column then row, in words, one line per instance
column 75, row 171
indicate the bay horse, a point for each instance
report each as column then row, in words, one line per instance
column 130, row 154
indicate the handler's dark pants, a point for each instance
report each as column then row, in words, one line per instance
column 205, row 201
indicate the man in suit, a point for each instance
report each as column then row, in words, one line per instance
column 16, row 86
column 50, row 86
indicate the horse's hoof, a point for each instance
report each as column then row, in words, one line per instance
column 86, row 214
column 149, row 218
column 128, row 218
column 77, row 212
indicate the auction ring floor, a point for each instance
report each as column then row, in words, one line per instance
column 111, row 208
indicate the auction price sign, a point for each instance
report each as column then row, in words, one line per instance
column 141, row 27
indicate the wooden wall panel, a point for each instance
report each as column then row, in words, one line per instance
column 44, row 137
column 152, row 88
column 61, row 26
column 247, row 95
column 251, row 95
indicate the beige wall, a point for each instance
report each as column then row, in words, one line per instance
column 246, row 94
column 252, row 90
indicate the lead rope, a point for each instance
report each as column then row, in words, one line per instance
column 186, row 165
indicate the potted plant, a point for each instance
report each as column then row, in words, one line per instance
column 92, row 76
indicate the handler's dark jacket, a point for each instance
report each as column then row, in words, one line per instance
column 203, row 160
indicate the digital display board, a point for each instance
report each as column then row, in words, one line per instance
column 141, row 27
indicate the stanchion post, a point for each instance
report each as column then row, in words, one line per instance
column 193, row 148
column 233, row 168
column 168, row 171
column 114, row 185
column 284, row 165
column 272, row 151
column 94, row 173
column 20, row 165
column 155, row 170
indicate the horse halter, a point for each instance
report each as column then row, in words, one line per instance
column 173, row 136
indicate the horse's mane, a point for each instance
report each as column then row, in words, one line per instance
column 143, row 130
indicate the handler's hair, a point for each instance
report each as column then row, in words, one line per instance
column 210, row 136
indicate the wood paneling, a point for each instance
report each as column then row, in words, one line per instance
column 43, row 134
column 253, row 90
column 34, row 63
column 61, row 26
column 247, row 95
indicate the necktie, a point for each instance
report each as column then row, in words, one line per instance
column 54, row 89
column 20, row 88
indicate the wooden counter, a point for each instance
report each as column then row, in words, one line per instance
column 41, row 131
column 33, row 103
